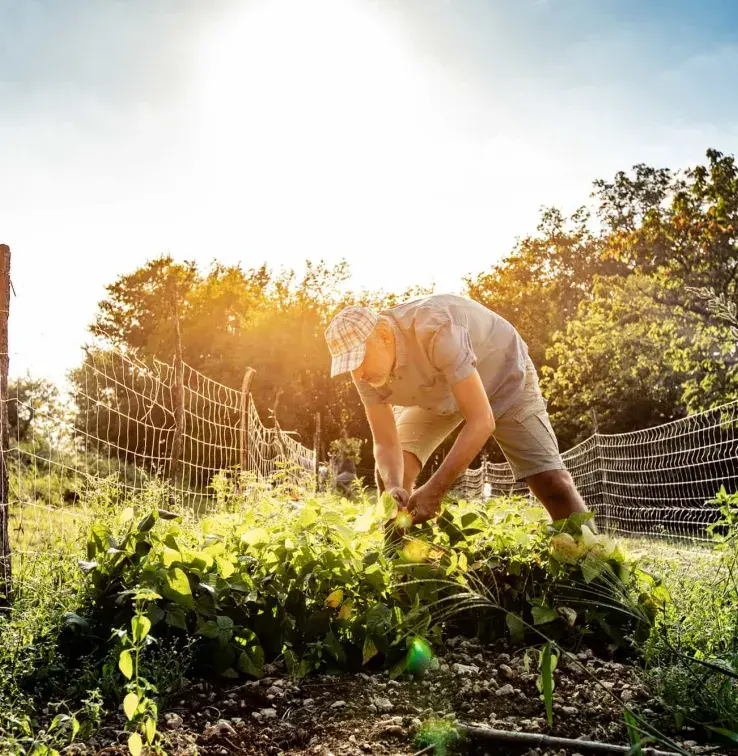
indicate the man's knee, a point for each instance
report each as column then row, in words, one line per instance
column 553, row 484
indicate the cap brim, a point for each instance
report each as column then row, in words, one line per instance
column 344, row 363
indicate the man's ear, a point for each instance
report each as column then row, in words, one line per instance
column 384, row 331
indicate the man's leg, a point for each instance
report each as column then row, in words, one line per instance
column 555, row 489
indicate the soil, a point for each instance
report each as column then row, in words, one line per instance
column 370, row 714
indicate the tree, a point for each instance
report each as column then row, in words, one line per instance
column 633, row 359
column 538, row 287
column 35, row 411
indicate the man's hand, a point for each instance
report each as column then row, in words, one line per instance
column 425, row 504
column 400, row 495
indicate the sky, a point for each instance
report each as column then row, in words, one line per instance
column 416, row 139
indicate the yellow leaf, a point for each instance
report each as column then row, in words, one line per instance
column 130, row 704
column 346, row 610
column 126, row 515
column 135, row 744
column 335, row 599
column 150, row 727
column 169, row 556
column 225, row 567
column 125, row 663
column 416, row 551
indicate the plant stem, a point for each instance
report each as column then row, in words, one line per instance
column 549, row 741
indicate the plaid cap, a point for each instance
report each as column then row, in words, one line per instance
column 346, row 336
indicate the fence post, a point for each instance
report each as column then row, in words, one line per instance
column 316, row 444
column 178, row 400
column 6, row 583
column 603, row 473
column 245, row 399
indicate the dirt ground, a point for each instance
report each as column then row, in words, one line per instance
column 355, row 715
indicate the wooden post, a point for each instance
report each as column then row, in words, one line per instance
column 245, row 399
column 316, row 445
column 6, row 583
column 177, row 399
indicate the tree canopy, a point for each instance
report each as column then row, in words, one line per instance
column 629, row 307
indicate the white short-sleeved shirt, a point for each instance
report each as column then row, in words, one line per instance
column 440, row 340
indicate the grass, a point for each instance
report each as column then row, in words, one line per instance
column 499, row 551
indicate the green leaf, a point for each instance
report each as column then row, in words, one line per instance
column 175, row 616
column 225, row 567
column 140, row 626
column 378, row 620
column 369, row 651
column 155, row 614
column 251, row 661
column 633, row 735
column 730, row 734
column 147, row 523
column 335, row 598
column 75, row 727
column 546, row 681
column 70, row 619
column 135, row 744
column 543, row 614
column 308, row 516
column 165, row 515
column 125, row 663
column 130, row 704
column 592, row 567
column 516, row 626
column 255, row 537
column 177, row 588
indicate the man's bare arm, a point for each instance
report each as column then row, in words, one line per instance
column 472, row 400
column 387, row 449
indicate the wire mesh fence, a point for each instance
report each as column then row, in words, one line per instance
column 657, row 482
column 125, row 424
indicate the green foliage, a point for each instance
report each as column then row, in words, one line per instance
column 441, row 734
column 693, row 652
column 308, row 582
column 139, row 704
column 346, row 448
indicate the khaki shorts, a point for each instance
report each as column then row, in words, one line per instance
column 523, row 432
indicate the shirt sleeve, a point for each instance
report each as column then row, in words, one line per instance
column 451, row 352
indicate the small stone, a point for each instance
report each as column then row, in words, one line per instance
column 308, row 702
column 465, row 669
column 570, row 710
column 352, row 738
column 174, row 722
column 372, row 708
column 506, row 672
column 505, row 690
column 383, row 704
column 269, row 713
column 503, row 658
column 338, row 704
